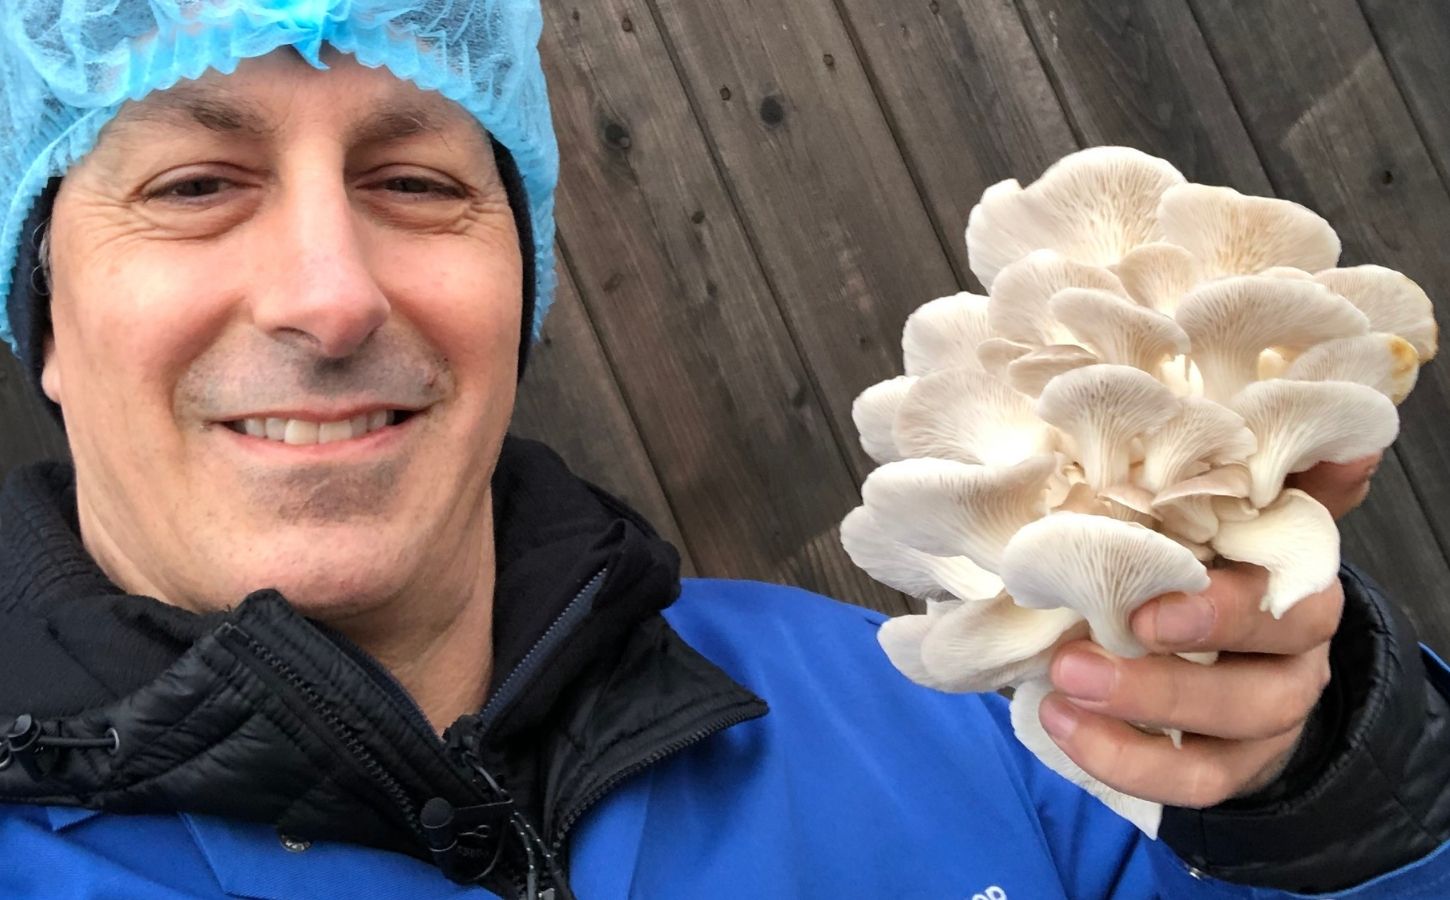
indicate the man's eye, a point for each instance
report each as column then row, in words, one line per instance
column 193, row 188
column 421, row 186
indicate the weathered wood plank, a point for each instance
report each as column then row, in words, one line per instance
column 818, row 178
column 1413, row 36
column 27, row 431
column 1100, row 52
column 1138, row 74
column 570, row 401
column 967, row 99
column 705, row 361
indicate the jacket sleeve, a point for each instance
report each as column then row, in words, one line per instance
column 1362, row 811
column 1366, row 800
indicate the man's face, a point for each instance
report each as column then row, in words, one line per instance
column 286, row 322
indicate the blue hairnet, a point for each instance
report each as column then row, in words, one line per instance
column 67, row 66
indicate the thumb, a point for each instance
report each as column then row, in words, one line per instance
column 1339, row 486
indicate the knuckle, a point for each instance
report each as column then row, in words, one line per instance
column 1208, row 785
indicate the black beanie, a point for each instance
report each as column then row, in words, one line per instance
column 28, row 305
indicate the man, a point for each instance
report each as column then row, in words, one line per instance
column 302, row 621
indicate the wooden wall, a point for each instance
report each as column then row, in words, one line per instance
column 757, row 192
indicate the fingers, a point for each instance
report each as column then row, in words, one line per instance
column 1245, row 698
column 1204, row 772
column 1227, row 617
column 1340, row 487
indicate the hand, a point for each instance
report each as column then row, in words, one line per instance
column 1241, row 717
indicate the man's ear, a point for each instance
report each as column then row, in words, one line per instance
column 50, row 373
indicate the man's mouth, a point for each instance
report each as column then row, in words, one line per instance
column 302, row 432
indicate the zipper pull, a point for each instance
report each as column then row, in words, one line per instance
column 465, row 842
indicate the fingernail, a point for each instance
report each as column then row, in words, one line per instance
column 1058, row 718
column 1184, row 619
column 1085, row 676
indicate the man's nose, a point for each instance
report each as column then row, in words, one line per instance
column 322, row 288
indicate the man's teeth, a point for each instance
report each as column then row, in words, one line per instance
column 300, row 431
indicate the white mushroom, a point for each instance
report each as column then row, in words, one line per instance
column 874, row 413
column 1393, row 303
column 1018, row 307
column 1234, row 234
column 1027, row 725
column 1030, row 372
column 1121, row 331
column 952, row 509
column 1092, row 206
column 970, row 417
column 1203, row 433
column 1230, row 321
column 988, row 646
column 1273, row 363
column 1386, row 362
column 1103, row 568
column 995, row 354
column 1287, row 272
column 1102, row 409
column 944, row 334
column 909, row 570
column 1159, row 275
column 1187, row 507
column 1295, row 539
column 1301, row 423
column 902, row 637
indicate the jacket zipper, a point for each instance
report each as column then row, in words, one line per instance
column 523, row 672
column 360, row 753
column 568, row 821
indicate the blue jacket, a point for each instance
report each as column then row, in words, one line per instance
column 857, row 784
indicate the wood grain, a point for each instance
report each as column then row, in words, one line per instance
column 570, row 401
column 819, row 181
column 967, row 99
column 724, row 402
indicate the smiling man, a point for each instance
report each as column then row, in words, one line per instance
column 301, row 621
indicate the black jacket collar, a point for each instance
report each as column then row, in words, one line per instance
column 259, row 714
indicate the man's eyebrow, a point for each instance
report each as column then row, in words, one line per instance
column 185, row 102
column 396, row 121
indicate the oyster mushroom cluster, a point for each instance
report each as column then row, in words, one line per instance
column 1152, row 359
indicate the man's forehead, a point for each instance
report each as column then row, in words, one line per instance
column 392, row 109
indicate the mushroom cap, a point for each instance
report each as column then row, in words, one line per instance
column 970, row 417
column 1092, row 206
column 1103, row 568
column 995, row 354
column 944, row 334
column 988, row 646
column 909, row 570
column 1102, row 408
column 874, row 413
column 1236, row 234
column 948, row 508
column 1301, row 423
column 1392, row 301
column 901, row 637
column 1232, row 320
column 1027, row 725
column 1187, row 507
column 1295, row 538
column 1159, row 275
column 1018, row 308
column 1121, row 331
column 1030, row 372
column 1201, row 432
column 1386, row 362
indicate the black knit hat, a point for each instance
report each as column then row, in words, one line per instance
column 28, row 304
